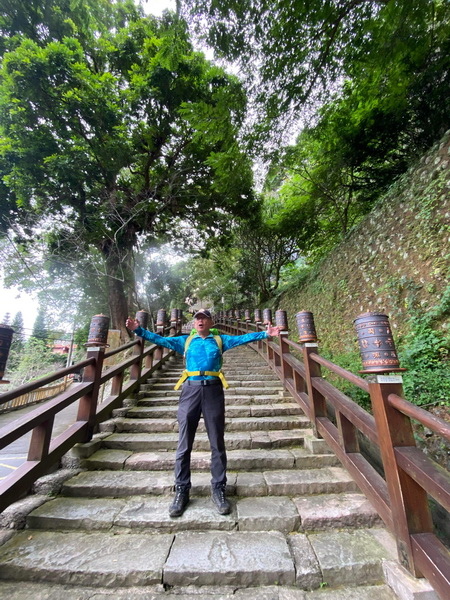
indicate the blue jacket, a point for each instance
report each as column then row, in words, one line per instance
column 204, row 353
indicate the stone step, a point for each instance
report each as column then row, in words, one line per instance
column 200, row 558
column 254, row 410
column 238, row 460
column 119, row 484
column 233, row 376
column 164, row 398
column 150, row 513
column 167, row 390
column 160, row 425
column 53, row 591
column 142, row 442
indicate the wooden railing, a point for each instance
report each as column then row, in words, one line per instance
column 44, row 452
column 34, row 397
column 400, row 496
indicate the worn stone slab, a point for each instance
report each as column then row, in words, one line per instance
column 316, row 445
column 144, row 442
column 307, row 568
column 270, row 513
column 201, row 484
column 405, row 586
column 251, row 484
column 85, row 558
column 151, row 461
column 107, row 459
column 254, row 460
column 370, row 592
column 149, row 514
column 260, row 439
column 349, row 557
column 76, row 513
column 15, row 515
column 281, row 439
column 304, row 459
column 327, row 511
column 159, row 425
column 229, row 558
column 140, row 442
column 147, row 412
column 51, row 591
column 265, row 423
column 270, row 593
column 309, row 481
column 119, row 484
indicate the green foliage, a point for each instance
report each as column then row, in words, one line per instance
column 33, row 361
column 352, row 362
column 40, row 330
column 426, row 355
column 121, row 132
column 303, row 51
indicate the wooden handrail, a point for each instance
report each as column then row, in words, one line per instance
column 44, row 452
column 436, row 424
column 347, row 375
column 400, row 495
column 34, row 385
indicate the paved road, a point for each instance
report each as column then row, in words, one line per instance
column 15, row 454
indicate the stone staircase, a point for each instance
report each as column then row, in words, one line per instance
column 299, row 528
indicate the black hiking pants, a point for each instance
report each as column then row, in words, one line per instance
column 196, row 400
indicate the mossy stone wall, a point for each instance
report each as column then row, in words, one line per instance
column 397, row 259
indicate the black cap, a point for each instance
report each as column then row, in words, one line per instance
column 204, row 313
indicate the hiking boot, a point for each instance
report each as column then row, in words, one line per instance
column 220, row 500
column 180, row 501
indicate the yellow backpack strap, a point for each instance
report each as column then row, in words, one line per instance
column 184, row 376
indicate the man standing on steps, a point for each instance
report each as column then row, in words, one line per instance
column 202, row 394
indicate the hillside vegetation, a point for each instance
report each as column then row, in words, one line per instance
column 396, row 261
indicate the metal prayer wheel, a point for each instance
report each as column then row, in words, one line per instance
column 98, row 331
column 180, row 315
column 230, row 313
column 267, row 316
column 161, row 317
column 174, row 315
column 247, row 315
column 6, row 333
column 376, row 344
column 237, row 314
column 142, row 317
column 306, row 327
column 281, row 319
column 258, row 315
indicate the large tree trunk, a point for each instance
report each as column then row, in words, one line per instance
column 117, row 295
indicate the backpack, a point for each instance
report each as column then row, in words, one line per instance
column 187, row 374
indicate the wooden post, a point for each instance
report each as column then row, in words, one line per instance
column 317, row 404
column 348, row 433
column 87, row 407
column 409, row 502
column 135, row 370
column 40, row 440
column 286, row 368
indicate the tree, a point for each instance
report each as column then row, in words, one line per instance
column 40, row 331
column 17, row 343
column 264, row 251
column 297, row 54
column 36, row 360
column 119, row 135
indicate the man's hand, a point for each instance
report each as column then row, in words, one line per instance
column 132, row 324
column 273, row 331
